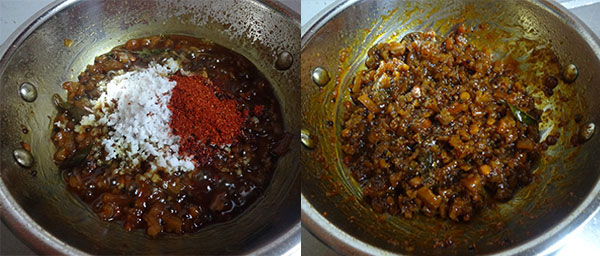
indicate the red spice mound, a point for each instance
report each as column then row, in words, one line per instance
column 202, row 115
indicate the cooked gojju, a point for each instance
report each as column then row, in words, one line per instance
column 438, row 126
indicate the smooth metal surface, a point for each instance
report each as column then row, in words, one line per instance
column 351, row 232
column 320, row 76
column 28, row 92
column 284, row 60
column 42, row 212
column 23, row 157
column 307, row 139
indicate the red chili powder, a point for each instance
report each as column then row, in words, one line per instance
column 200, row 118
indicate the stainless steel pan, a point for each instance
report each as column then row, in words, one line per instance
column 41, row 211
column 567, row 189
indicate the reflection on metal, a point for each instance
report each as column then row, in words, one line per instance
column 307, row 139
column 23, row 157
column 284, row 60
column 320, row 76
column 28, row 92
column 570, row 73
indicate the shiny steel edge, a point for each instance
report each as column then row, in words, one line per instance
column 545, row 244
column 45, row 243
column 20, row 223
column 332, row 236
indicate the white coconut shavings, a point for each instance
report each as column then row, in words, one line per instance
column 134, row 107
column 59, row 124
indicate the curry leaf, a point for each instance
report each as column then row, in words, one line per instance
column 148, row 52
column 77, row 158
column 74, row 112
column 521, row 115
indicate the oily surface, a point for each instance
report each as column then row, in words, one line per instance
column 439, row 127
column 222, row 187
